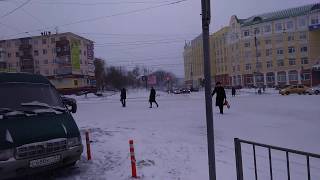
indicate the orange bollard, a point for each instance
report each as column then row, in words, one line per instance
column 133, row 160
column 88, row 145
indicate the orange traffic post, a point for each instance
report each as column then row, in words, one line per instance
column 133, row 160
column 88, row 145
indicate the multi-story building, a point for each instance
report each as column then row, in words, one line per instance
column 272, row 49
column 220, row 66
column 65, row 58
column 193, row 62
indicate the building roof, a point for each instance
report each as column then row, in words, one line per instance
column 52, row 34
column 282, row 14
column 23, row 78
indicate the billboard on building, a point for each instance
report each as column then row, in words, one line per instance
column 152, row 80
column 75, row 55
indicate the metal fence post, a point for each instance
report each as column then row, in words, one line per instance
column 238, row 153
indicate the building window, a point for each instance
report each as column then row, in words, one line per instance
column 9, row 54
column 306, row 77
column 246, row 33
column 46, row 61
column 247, row 44
column 278, row 27
column 248, row 67
column 267, row 28
column 282, row 77
column 270, row 77
column 292, row 61
column 290, row 25
column 47, row 72
column 269, row 64
column 304, row 61
column 280, row 62
column 256, row 30
column 303, row 35
column 302, row 22
column 75, row 82
column 85, row 53
column 293, row 76
column 314, row 20
column 304, row 49
column 17, row 54
column 291, row 50
column 268, row 41
column 268, row 52
column 290, row 37
column 44, row 41
column 280, row 51
column 44, row 51
column 53, row 40
column 8, row 44
column 36, row 52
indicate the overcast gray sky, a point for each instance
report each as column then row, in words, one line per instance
column 130, row 32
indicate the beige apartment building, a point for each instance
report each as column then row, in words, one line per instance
column 65, row 58
column 272, row 49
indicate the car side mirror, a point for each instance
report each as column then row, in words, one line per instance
column 70, row 104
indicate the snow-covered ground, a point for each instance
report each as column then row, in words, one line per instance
column 170, row 141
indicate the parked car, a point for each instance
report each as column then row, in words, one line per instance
column 314, row 90
column 177, row 91
column 37, row 132
column 185, row 91
column 294, row 89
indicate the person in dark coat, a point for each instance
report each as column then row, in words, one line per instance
column 221, row 96
column 152, row 97
column 233, row 91
column 123, row 97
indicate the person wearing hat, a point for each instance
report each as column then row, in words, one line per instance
column 221, row 96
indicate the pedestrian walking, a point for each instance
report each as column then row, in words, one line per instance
column 220, row 97
column 233, row 92
column 152, row 97
column 123, row 97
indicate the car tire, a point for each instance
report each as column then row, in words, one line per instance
column 317, row 92
column 287, row 93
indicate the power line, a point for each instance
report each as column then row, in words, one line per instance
column 110, row 16
column 100, row 3
column 15, row 9
column 137, row 44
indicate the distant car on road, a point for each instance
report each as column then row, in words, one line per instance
column 177, row 91
column 314, row 90
column 185, row 91
column 294, row 89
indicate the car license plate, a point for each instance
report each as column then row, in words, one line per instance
column 44, row 161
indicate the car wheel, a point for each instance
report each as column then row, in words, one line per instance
column 287, row 93
column 317, row 92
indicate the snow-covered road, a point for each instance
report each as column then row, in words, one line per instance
column 170, row 141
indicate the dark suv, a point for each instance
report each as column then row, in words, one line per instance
column 37, row 132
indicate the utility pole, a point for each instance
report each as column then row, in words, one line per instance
column 206, row 17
